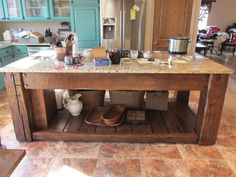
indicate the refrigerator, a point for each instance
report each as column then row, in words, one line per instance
column 123, row 24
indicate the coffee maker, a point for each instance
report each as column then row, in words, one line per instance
column 63, row 31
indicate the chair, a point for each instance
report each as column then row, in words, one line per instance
column 218, row 44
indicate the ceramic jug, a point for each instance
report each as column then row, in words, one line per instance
column 73, row 104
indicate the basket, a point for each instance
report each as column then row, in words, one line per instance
column 131, row 99
column 112, row 115
column 157, row 100
column 90, row 98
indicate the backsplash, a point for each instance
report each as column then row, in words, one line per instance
column 34, row 26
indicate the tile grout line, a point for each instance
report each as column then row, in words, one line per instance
column 140, row 162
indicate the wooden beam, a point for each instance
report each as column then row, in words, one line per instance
column 14, row 106
column 145, row 138
column 183, row 97
column 20, row 105
column 43, row 107
column 116, row 81
column 213, row 109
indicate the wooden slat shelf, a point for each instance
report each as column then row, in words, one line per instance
column 174, row 125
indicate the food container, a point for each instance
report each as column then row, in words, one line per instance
column 178, row 45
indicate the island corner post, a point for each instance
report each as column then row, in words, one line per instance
column 25, row 92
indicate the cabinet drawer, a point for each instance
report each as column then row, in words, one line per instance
column 20, row 56
column 7, row 60
column 84, row 1
column 20, row 49
column 6, row 51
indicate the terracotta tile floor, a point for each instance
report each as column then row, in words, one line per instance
column 128, row 160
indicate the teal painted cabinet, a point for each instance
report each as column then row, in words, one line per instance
column 12, row 9
column 20, row 52
column 36, row 9
column 85, row 22
column 1, row 76
column 4, row 61
column 2, row 14
column 6, row 57
column 59, row 9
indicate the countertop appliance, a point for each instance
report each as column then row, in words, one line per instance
column 178, row 45
column 123, row 24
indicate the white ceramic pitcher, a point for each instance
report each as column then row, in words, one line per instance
column 73, row 104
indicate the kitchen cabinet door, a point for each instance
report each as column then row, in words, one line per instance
column 3, row 62
column 36, row 9
column 12, row 9
column 60, row 9
column 85, row 22
column 7, row 60
column 1, row 77
column 172, row 18
column 20, row 56
column 2, row 15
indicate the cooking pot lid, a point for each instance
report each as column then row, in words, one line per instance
column 180, row 38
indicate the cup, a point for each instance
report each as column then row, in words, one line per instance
column 134, row 54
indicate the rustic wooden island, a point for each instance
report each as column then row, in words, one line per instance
column 30, row 83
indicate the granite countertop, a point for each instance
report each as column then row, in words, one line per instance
column 5, row 44
column 46, row 62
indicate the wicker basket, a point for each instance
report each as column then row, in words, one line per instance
column 131, row 99
column 90, row 98
column 157, row 100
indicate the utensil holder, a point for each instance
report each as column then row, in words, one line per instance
column 60, row 53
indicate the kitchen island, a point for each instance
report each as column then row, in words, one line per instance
column 30, row 83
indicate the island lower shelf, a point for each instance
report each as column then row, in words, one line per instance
column 173, row 126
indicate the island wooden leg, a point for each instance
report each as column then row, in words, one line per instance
column 213, row 109
column 201, row 109
column 183, row 97
column 20, row 105
column 43, row 107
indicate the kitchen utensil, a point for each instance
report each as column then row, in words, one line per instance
column 178, row 45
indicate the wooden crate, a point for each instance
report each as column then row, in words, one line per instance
column 157, row 100
column 131, row 99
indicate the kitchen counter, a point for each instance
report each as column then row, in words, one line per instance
column 45, row 62
column 30, row 84
column 5, row 44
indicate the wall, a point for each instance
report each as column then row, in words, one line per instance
column 222, row 13
column 34, row 26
